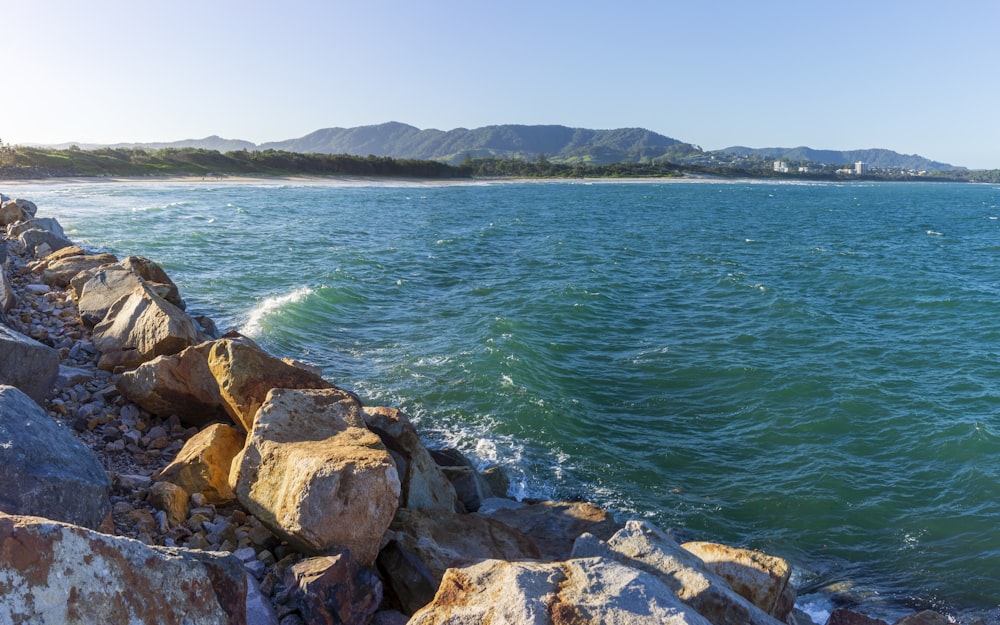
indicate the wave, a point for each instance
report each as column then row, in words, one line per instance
column 254, row 325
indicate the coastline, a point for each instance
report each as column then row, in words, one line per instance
column 62, row 307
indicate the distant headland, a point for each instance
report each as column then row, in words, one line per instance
column 397, row 149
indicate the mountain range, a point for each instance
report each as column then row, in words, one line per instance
column 556, row 143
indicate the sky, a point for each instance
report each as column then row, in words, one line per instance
column 916, row 77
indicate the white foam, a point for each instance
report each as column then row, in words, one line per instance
column 269, row 306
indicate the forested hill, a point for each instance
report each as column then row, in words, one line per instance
column 873, row 157
column 556, row 143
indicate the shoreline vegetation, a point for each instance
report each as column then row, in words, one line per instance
column 199, row 478
column 31, row 163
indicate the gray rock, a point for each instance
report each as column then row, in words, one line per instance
column 35, row 239
column 41, row 223
column 588, row 591
column 27, row 364
column 646, row 547
column 57, row 573
column 554, row 525
column 44, row 470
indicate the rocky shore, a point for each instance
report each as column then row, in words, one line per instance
column 157, row 471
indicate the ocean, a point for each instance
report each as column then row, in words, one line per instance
column 808, row 369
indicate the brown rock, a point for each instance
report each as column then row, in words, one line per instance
column 315, row 475
column 146, row 323
column 758, row 577
column 60, row 271
column 331, row 590
column 11, row 212
column 553, row 525
column 423, row 485
column 927, row 617
column 843, row 616
column 445, row 539
column 170, row 498
column 409, row 585
column 245, row 373
column 57, row 573
column 204, row 463
column 180, row 384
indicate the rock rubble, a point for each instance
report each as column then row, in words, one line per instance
column 227, row 485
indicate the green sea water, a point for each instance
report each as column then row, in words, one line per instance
column 812, row 370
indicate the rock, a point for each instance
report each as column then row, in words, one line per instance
column 203, row 464
column 145, row 322
column 71, row 376
column 27, row 364
column 170, row 498
column 42, row 223
column 331, row 590
column 552, row 525
column 444, row 539
column 409, row 585
column 315, row 475
column 101, row 288
column 761, row 579
column 44, row 470
column 471, row 487
column 644, row 546
column 59, row 272
column 7, row 298
column 578, row 592
column 180, row 384
column 13, row 211
column 497, row 480
column 843, row 616
column 927, row 617
column 423, row 485
column 389, row 617
column 57, row 573
column 245, row 373
column 35, row 239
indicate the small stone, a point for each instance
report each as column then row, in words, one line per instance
column 246, row 554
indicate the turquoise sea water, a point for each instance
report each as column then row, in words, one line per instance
column 808, row 369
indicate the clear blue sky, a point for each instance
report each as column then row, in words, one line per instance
column 915, row 76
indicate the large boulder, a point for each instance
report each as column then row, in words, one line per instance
column 315, row 475
column 58, row 272
column 27, row 364
column 760, row 578
column 55, row 573
column 41, row 223
column 146, row 323
column 646, row 547
column 553, row 525
column 245, row 373
column 44, row 470
column 442, row 539
column 423, row 485
column 470, row 485
column 13, row 211
column 178, row 384
column 41, row 242
column 576, row 592
column 98, row 290
column 330, row 590
column 203, row 464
